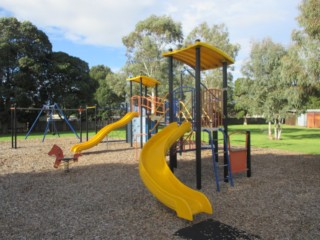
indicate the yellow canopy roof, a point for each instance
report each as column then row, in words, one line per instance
column 146, row 81
column 210, row 56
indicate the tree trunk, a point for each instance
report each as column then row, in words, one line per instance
column 277, row 130
column 245, row 122
column 279, row 134
column 270, row 131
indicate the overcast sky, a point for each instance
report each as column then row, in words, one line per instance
column 92, row 30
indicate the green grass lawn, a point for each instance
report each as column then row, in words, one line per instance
column 295, row 139
column 119, row 133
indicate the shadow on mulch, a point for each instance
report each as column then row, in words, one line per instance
column 210, row 229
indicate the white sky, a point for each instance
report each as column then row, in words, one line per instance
column 92, row 30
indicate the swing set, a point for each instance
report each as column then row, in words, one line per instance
column 51, row 109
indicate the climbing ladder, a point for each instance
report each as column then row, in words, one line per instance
column 216, row 165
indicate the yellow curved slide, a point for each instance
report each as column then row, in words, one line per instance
column 162, row 183
column 104, row 132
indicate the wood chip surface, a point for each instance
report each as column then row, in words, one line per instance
column 103, row 197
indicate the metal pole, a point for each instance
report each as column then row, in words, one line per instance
column 156, row 93
column 95, row 118
column 173, row 156
column 35, row 121
column 216, row 144
column 15, row 126
column 13, row 119
column 181, row 97
column 141, row 130
column 48, row 125
column 225, row 118
column 131, row 109
column 198, row 118
column 248, row 154
column 12, row 134
column 80, row 112
column 127, row 127
column 148, row 113
column 171, row 117
column 87, row 133
column 56, row 106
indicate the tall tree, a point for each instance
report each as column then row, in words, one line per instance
column 99, row 72
column 24, row 58
column 243, row 97
column 264, row 67
column 218, row 36
column 70, row 84
column 295, row 79
column 112, row 86
column 146, row 43
column 301, row 66
column 309, row 17
column 24, row 53
column 111, row 94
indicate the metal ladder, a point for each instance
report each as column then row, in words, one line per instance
column 216, row 165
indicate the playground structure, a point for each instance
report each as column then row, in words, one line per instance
column 199, row 117
column 151, row 109
column 201, row 56
column 197, row 110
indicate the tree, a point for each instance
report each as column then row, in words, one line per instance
column 111, row 91
column 112, row 86
column 70, row 84
column 25, row 55
column 243, row 97
column 146, row 43
column 31, row 74
column 264, row 67
column 309, row 18
column 295, row 79
column 111, row 94
column 216, row 35
column 301, row 66
column 99, row 72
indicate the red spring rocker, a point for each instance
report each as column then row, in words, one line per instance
column 58, row 153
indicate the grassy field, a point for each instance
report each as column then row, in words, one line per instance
column 295, row 139
column 114, row 134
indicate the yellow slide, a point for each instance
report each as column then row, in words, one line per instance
column 162, row 183
column 104, row 132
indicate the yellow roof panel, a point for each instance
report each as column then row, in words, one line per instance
column 146, row 81
column 210, row 56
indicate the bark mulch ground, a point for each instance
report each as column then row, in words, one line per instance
column 103, row 197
